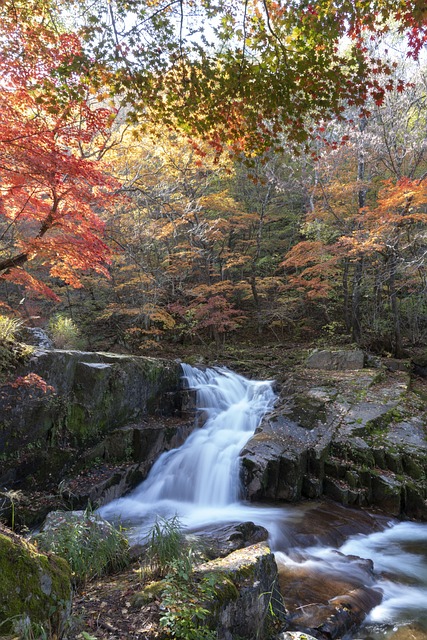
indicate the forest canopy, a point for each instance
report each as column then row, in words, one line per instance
column 237, row 73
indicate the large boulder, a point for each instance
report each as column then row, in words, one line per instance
column 88, row 395
column 35, row 588
column 87, row 408
column 253, row 606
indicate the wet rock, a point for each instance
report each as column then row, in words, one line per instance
column 100, row 482
column 386, row 492
column 219, row 542
column 327, row 602
column 361, row 441
column 276, row 459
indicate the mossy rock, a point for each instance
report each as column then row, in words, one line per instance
column 35, row 588
column 148, row 594
column 246, row 593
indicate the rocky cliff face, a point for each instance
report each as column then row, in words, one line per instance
column 355, row 435
column 98, row 407
column 92, row 394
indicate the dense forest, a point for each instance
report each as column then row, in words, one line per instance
column 187, row 172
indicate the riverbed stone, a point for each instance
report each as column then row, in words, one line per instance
column 323, row 599
column 219, row 542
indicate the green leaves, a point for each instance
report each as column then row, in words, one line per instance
column 267, row 67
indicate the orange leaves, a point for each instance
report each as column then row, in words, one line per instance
column 305, row 252
column 32, row 381
column 316, row 268
column 400, row 205
column 27, row 281
column 405, row 197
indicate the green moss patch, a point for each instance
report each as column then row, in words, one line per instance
column 34, row 588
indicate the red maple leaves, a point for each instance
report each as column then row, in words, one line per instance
column 50, row 194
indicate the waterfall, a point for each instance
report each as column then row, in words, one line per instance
column 199, row 482
column 203, row 474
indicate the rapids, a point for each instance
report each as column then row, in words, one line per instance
column 199, row 482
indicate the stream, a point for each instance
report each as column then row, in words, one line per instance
column 323, row 551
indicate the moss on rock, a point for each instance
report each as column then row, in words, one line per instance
column 35, row 588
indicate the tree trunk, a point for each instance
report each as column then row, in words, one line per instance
column 395, row 306
column 346, row 295
column 356, row 328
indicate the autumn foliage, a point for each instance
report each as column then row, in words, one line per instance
column 263, row 174
column 50, row 194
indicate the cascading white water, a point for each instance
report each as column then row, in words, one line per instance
column 199, row 482
column 203, row 474
column 205, row 470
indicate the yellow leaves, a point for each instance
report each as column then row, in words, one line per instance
column 402, row 197
column 217, row 288
column 400, row 205
column 159, row 315
column 237, row 261
column 221, row 202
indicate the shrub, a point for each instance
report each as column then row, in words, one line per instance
column 64, row 333
column 166, row 545
column 9, row 328
column 91, row 546
column 184, row 598
column 12, row 352
column 186, row 603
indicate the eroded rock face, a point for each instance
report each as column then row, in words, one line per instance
column 358, row 437
column 87, row 416
column 95, row 437
column 34, row 587
column 93, row 394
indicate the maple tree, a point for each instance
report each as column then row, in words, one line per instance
column 49, row 191
column 189, row 231
column 168, row 238
column 302, row 220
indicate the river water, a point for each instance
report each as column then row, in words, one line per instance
column 316, row 542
